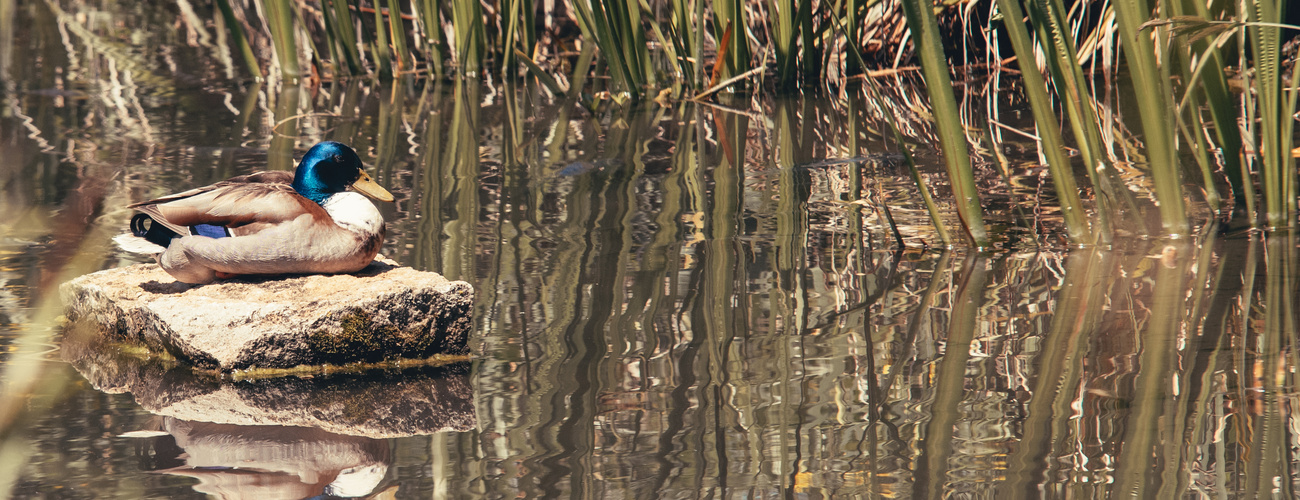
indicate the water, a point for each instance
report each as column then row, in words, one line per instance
column 671, row 302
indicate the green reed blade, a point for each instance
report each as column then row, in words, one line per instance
column 1288, row 142
column 432, row 39
column 239, row 39
column 672, row 49
column 398, row 37
column 519, row 32
column 1275, row 106
column 947, row 117
column 811, row 57
column 1049, row 22
column 1190, row 104
column 698, row 42
column 1201, row 153
column 686, row 37
column 471, row 41
column 873, row 91
column 1049, row 133
column 1004, row 169
column 1208, row 76
column 279, row 15
column 604, row 24
column 636, row 46
column 781, row 15
column 383, row 55
column 732, row 12
column 339, row 21
column 508, row 49
column 579, row 79
column 331, row 39
column 547, row 80
column 853, row 17
column 1154, row 106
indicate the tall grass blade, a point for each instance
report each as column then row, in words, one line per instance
column 547, row 80
column 635, row 45
column 397, row 31
column 1067, row 76
column 873, row 91
column 811, row 51
column 579, row 79
column 781, row 15
column 1288, row 141
column 1275, row 107
column 1154, row 106
column 952, row 137
column 1207, row 77
column 853, row 17
column 698, row 42
column 432, row 40
column 239, row 39
column 471, row 39
column 279, row 15
column 672, row 50
column 595, row 24
column 732, row 13
column 1051, row 146
column 346, row 34
column 1181, row 55
column 383, row 55
column 685, row 30
column 331, row 38
column 509, row 50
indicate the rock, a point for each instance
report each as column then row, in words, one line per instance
column 381, row 313
column 373, row 403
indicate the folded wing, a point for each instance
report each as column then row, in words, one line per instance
column 243, row 207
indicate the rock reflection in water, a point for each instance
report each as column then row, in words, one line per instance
column 258, row 461
column 375, row 403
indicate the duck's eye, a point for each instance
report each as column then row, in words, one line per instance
column 338, row 158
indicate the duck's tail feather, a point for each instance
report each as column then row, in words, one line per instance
column 154, row 232
column 136, row 245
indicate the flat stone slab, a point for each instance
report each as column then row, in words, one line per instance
column 382, row 313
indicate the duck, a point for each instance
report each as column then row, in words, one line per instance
column 276, row 222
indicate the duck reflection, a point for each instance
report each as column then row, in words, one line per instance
column 265, row 462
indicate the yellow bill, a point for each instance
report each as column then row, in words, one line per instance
column 367, row 186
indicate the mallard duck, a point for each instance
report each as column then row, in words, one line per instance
column 270, row 222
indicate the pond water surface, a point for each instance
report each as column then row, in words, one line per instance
column 671, row 301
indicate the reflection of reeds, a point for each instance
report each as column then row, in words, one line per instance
column 674, row 349
column 950, row 382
